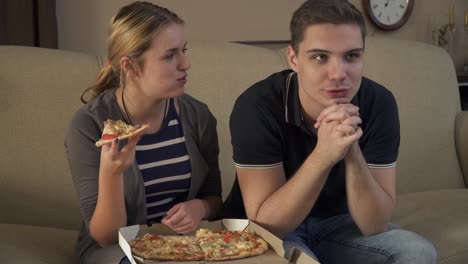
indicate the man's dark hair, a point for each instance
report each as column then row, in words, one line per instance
column 314, row 12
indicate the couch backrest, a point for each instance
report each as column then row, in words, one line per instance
column 422, row 78
column 220, row 73
column 39, row 91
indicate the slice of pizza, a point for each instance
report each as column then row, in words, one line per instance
column 225, row 244
column 118, row 129
column 153, row 247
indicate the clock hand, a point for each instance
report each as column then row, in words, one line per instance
column 386, row 4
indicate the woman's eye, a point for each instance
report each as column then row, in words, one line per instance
column 170, row 56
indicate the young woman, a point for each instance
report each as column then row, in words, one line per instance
column 170, row 174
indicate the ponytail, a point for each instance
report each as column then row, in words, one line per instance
column 106, row 79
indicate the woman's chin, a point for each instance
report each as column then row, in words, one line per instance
column 176, row 93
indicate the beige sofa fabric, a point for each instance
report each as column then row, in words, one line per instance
column 441, row 216
column 40, row 89
column 220, row 72
column 24, row 244
column 432, row 197
column 461, row 141
column 423, row 80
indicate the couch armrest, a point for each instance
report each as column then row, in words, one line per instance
column 461, row 142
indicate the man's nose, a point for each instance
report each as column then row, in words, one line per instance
column 337, row 69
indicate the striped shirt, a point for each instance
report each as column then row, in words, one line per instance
column 165, row 166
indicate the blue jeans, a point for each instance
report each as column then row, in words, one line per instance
column 338, row 240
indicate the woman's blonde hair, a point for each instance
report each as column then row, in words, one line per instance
column 131, row 32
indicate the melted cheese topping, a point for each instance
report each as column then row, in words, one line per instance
column 207, row 243
column 224, row 243
column 167, row 245
column 117, row 127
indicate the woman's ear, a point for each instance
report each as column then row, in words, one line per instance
column 128, row 66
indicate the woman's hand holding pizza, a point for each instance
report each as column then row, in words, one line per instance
column 114, row 161
column 185, row 217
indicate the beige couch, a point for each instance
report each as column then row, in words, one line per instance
column 40, row 89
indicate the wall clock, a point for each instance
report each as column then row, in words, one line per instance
column 388, row 14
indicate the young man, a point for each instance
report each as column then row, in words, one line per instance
column 315, row 147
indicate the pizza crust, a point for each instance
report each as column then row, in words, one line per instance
column 166, row 257
column 129, row 135
column 244, row 254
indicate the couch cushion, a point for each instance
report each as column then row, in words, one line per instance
column 440, row 216
column 39, row 91
column 30, row 244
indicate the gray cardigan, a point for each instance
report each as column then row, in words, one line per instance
column 201, row 140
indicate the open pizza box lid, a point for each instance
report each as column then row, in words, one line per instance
column 274, row 255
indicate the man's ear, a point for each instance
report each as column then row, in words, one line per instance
column 292, row 59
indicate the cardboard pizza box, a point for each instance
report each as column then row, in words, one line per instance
column 274, row 255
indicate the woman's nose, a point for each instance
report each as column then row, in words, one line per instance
column 184, row 63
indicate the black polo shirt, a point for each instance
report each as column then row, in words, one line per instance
column 268, row 130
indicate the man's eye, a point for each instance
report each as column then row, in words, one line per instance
column 319, row 57
column 352, row 56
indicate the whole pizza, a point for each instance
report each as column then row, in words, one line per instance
column 205, row 245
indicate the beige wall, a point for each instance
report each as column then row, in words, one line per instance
column 82, row 25
column 421, row 22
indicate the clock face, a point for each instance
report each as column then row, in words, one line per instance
column 388, row 14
